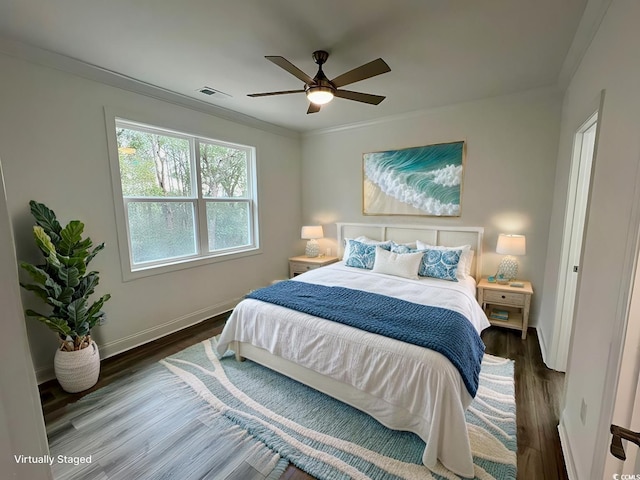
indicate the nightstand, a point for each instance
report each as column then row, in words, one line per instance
column 301, row 264
column 512, row 302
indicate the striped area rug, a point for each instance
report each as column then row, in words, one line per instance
column 197, row 416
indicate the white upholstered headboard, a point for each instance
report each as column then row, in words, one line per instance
column 446, row 236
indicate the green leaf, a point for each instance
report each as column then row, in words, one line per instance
column 66, row 296
column 38, row 290
column 36, row 273
column 70, row 277
column 52, row 286
column 53, row 264
column 82, row 248
column 44, row 241
column 87, row 285
column 76, row 261
column 95, row 319
column 57, row 324
column 94, row 252
column 77, row 311
column 46, row 218
column 56, row 303
column 83, row 329
column 70, row 236
column 97, row 305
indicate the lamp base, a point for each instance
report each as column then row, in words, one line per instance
column 508, row 269
column 312, row 249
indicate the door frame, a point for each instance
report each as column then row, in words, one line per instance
column 563, row 327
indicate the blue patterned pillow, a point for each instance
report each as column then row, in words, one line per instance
column 441, row 264
column 362, row 255
column 399, row 248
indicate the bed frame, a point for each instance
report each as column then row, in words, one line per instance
column 445, row 236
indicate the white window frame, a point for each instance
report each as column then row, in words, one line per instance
column 131, row 271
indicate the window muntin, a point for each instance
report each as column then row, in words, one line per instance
column 185, row 197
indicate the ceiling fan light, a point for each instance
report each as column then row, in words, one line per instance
column 320, row 95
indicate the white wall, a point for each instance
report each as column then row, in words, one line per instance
column 610, row 63
column 508, row 179
column 22, row 430
column 54, row 148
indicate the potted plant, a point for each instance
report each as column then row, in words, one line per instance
column 64, row 284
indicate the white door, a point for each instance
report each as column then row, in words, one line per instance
column 577, row 203
column 626, row 412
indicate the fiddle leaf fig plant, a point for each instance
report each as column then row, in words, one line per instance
column 63, row 281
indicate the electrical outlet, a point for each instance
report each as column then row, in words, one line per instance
column 103, row 320
column 583, row 412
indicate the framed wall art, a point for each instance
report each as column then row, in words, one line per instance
column 423, row 180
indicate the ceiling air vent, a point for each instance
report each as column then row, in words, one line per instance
column 213, row 92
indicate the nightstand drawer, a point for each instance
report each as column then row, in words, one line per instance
column 302, row 264
column 301, row 267
column 516, row 299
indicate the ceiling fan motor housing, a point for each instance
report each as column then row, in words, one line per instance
column 320, row 56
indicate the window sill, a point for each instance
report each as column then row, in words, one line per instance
column 129, row 274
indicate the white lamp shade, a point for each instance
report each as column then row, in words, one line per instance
column 312, row 231
column 511, row 244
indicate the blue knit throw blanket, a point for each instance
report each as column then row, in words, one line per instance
column 439, row 329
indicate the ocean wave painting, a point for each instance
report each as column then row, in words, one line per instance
column 414, row 181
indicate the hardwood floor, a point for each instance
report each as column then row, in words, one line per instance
column 538, row 392
column 538, row 396
column 54, row 399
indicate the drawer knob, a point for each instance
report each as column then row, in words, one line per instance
column 503, row 296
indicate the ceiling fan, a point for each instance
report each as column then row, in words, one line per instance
column 320, row 90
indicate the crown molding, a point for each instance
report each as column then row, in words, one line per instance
column 589, row 24
column 544, row 90
column 98, row 74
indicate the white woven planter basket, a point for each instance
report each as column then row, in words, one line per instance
column 78, row 370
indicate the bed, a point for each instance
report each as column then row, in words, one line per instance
column 402, row 385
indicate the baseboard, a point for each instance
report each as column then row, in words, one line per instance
column 566, row 451
column 121, row 345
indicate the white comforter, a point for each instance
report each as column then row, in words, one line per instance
column 407, row 387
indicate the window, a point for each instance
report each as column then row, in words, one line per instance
column 185, row 198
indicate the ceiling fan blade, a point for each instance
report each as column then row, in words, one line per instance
column 269, row 94
column 291, row 68
column 368, row 70
column 359, row 97
column 313, row 108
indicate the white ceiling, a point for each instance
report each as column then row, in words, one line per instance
column 440, row 51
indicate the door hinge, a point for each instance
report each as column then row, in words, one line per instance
column 619, row 433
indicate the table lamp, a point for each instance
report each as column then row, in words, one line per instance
column 509, row 245
column 311, row 233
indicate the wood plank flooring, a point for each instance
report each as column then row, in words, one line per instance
column 538, row 392
column 538, row 396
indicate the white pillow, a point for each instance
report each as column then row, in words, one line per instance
column 399, row 264
column 361, row 239
column 466, row 259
